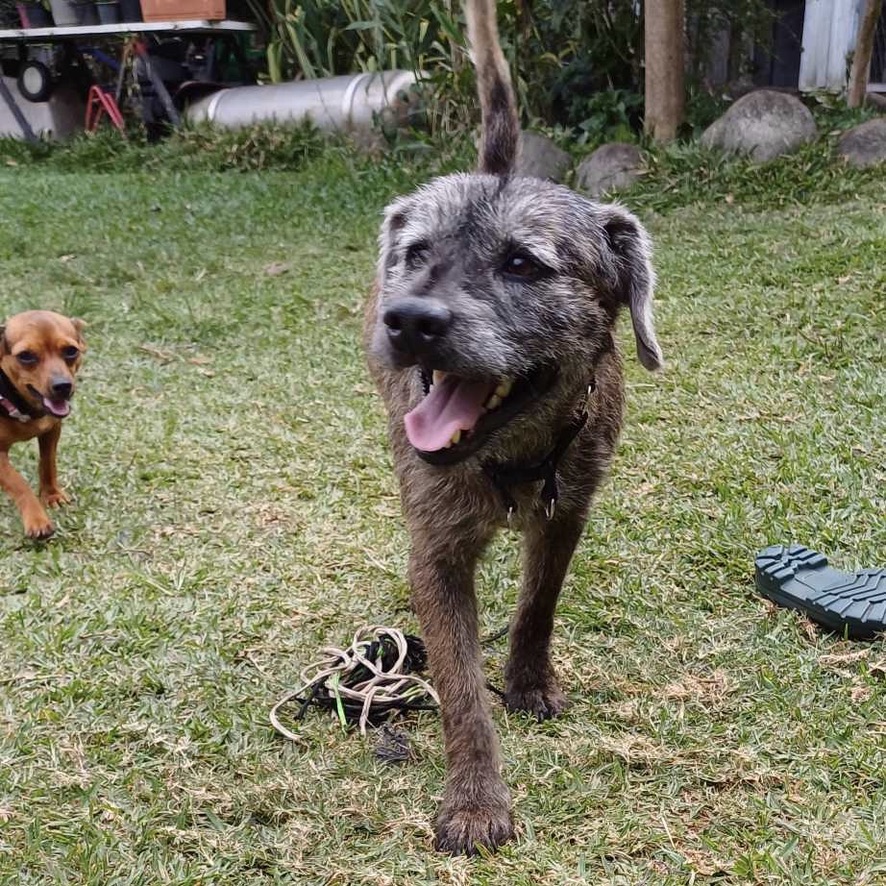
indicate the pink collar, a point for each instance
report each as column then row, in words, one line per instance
column 13, row 411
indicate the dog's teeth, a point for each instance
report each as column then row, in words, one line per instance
column 438, row 376
column 456, row 437
column 504, row 388
column 493, row 402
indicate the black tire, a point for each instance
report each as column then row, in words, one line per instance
column 35, row 81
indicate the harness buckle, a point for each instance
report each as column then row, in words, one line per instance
column 503, row 477
column 550, row 507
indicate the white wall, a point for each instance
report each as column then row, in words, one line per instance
column 61, row 116
column 829, row 31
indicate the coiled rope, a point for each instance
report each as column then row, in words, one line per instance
column 364, row 684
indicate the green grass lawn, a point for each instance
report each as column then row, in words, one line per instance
column 234, row 510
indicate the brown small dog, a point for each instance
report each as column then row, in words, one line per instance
column 40, row 354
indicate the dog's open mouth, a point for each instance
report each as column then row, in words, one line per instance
column 458, row 414
column 58, row 408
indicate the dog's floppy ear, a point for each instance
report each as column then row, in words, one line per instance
column 3, row 346
column 633, row 279
column 389, row 237
column 79, row 325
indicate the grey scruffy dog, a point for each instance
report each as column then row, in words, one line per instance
column 490, row 335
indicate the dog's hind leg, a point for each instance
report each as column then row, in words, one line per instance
column 530, row 681
column 476, row 804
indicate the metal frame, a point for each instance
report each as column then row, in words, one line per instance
column 24, row 36
column 57, row 34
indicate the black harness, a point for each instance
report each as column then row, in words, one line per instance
column 12, row 402
column 504, row 477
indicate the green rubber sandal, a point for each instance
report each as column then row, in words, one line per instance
column 850, row 604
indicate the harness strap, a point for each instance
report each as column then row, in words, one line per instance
column 503, row 477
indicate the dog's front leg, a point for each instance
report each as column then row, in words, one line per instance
column 530, row 682
column 50, row 492
column 476, row 809
column 37, row 523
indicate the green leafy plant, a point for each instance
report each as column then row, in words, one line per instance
column 577, row 64
column 320, row 38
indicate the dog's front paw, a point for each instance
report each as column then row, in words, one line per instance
column 38, row 526
column 466, row 829
column 52, row 498
column 543, row 699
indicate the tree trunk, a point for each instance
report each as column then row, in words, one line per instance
column 665, row 94
column 861, row 58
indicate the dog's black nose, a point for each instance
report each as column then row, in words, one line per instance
column 62, row 390
column 415, row 325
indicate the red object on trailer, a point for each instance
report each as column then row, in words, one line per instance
column 99, row 102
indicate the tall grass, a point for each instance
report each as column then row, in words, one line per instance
column 321, row 38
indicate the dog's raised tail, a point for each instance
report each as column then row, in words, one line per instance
column 500, row 135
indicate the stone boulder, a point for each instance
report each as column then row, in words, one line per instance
column 540, row 158
column 865, row 144
column 762, row 125
column 612, row 167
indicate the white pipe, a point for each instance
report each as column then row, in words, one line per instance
column 347, row 103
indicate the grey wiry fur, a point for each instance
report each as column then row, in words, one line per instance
column 454, row 251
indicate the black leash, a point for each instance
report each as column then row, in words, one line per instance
column 503, row 477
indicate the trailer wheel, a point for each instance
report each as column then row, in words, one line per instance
column 35, row 81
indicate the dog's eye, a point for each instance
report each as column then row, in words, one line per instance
column 27, row 358
column 70, row 353
column 417, row 254
column 521, row 266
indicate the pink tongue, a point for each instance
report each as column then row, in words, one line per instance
column 453, row 404
column 59, row 408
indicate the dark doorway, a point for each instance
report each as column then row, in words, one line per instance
column 779, row 63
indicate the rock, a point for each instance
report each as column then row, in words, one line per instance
column 612, row 167
column 865, row 144
column 876, row 100
column 763, row 125
column 541, row 158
